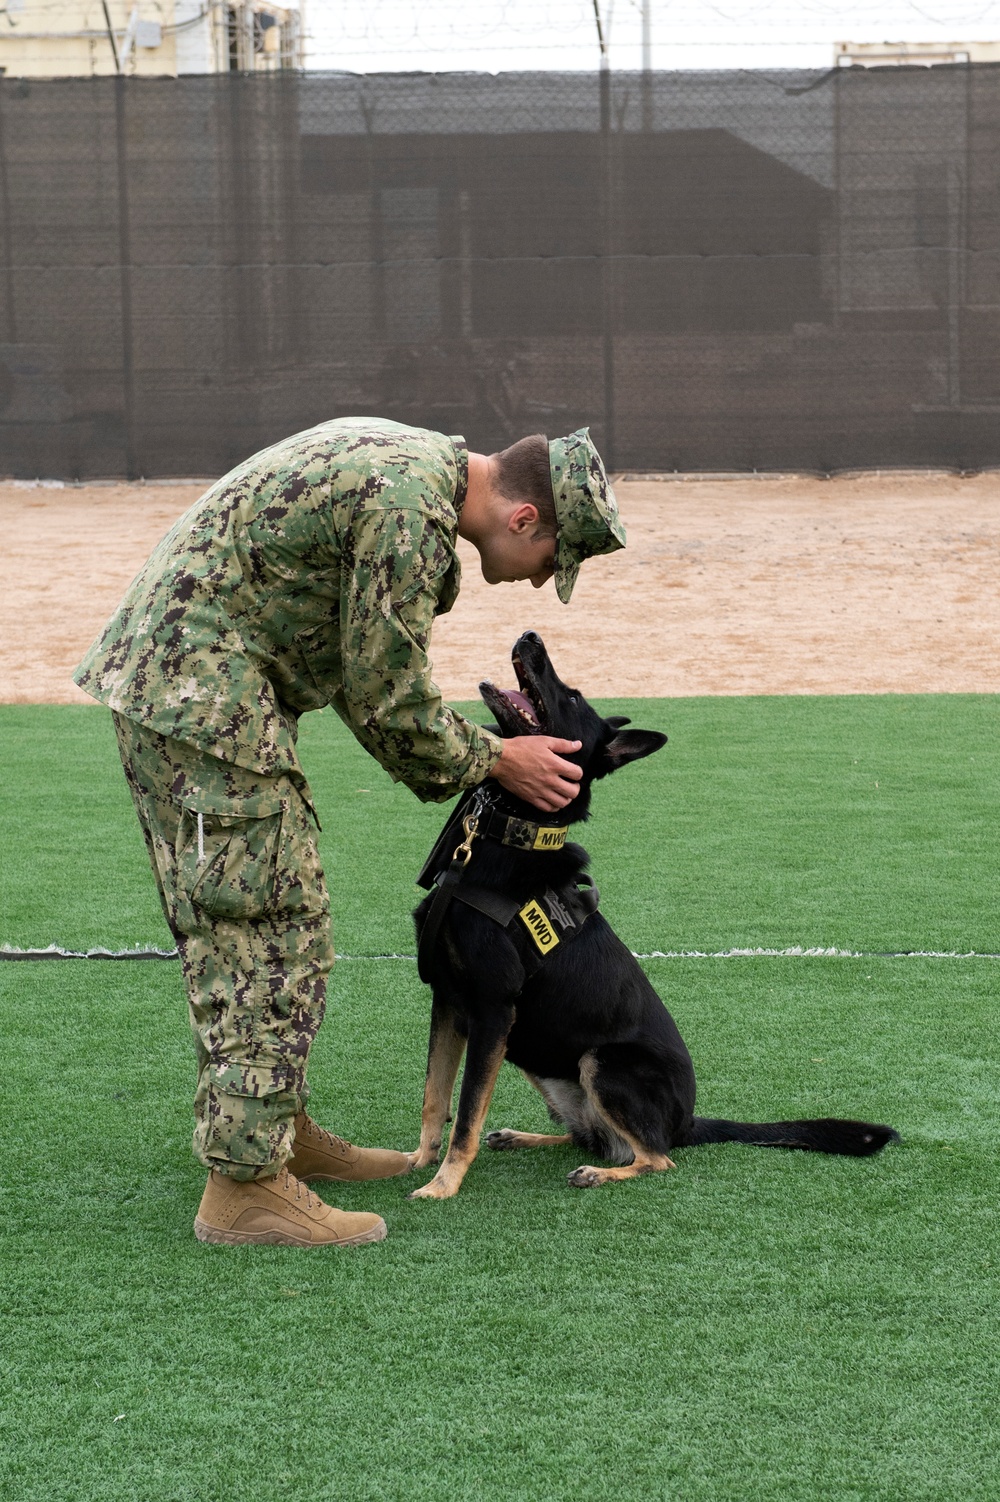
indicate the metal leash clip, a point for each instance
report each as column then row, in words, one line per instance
column 470, row 828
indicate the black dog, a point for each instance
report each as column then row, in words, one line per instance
column 523, row 967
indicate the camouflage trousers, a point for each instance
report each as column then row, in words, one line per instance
column 235, row 859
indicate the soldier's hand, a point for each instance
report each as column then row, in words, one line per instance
column 531, row 768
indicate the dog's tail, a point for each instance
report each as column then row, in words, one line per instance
column 853, row 1139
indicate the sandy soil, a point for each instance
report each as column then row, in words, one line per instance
column 774, row 585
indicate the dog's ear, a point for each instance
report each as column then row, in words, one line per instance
column 632, row 745
column 616, row 721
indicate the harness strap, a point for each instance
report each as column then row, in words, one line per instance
column 502, row 910
column 444, row 845
column 438, row 911
column 553, row 917
column 447, row 884
column 536, row 927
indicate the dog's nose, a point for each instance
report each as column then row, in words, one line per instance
column 533, row 636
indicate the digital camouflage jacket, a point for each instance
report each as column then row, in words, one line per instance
column 309, row 575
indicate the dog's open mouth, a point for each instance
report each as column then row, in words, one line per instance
column 519, row 711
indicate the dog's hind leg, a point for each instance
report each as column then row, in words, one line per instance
column 616, row 1108
column 505, row 1139
column 486, row 1049
column 444, row 1054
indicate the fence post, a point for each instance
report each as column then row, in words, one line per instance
column 607, row 265
column 647, row 68
column 8, row 246
column 125, row 270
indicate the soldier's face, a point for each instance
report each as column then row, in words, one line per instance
column 514, row 553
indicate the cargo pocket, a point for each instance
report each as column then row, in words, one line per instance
column 227, row 861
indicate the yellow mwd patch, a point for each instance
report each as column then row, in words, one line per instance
column 538, row 926
column 550, row 839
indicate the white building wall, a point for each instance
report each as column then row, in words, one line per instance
column 195, row 41
column 69, row 38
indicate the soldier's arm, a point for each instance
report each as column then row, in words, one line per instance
column 395, row 565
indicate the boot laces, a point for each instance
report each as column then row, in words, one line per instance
column 329, row 1139
column 312, row 1201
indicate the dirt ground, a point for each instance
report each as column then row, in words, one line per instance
column 877, row 583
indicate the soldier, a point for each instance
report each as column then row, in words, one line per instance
column 311, row 575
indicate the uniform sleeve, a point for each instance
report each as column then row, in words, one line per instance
column 396, row 563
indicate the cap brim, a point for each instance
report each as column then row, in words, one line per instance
column 565, row 579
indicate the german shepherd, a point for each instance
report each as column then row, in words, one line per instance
column 583, row 1024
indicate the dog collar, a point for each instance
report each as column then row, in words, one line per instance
column 496, row 822
column 523, row 834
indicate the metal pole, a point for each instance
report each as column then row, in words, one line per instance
column 376, row 229
column 954, row 253
column 607, row 264
column 111, row 37
column 8, row 248
column 647, row 66
column 601, row 39
column 839, row 199
column 607, row 247
column 125, row 271
column 465, row 263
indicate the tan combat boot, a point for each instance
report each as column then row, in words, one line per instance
column 318, row 1154
column 277, row 1212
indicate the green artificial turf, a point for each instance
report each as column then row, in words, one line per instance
column 850, row 822
column 754, row 1326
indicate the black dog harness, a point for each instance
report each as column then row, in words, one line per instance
column 550, row 917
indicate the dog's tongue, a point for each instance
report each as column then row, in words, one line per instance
column 519, row 700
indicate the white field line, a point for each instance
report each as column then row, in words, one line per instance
column 792, row 952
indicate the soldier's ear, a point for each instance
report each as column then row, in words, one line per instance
column 523, row 519
column 631, row 745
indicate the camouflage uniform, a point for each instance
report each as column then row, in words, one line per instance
column 235, row 859
column 309, row 575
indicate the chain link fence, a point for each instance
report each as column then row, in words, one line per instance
column 727, row 271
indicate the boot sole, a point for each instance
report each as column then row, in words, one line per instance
column 281, row 1238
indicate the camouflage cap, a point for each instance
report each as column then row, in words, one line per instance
column 586, row 509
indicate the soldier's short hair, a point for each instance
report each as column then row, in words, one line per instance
column 523, row 474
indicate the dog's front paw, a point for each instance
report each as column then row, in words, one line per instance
column 585, row 1177
column 424, row 1158
column 437, row 1189
column 501, row 1139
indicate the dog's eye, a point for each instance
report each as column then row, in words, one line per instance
column 572, row 698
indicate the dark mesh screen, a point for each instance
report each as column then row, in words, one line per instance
column 715, row 271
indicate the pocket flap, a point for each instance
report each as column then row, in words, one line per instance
column 233, row 806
